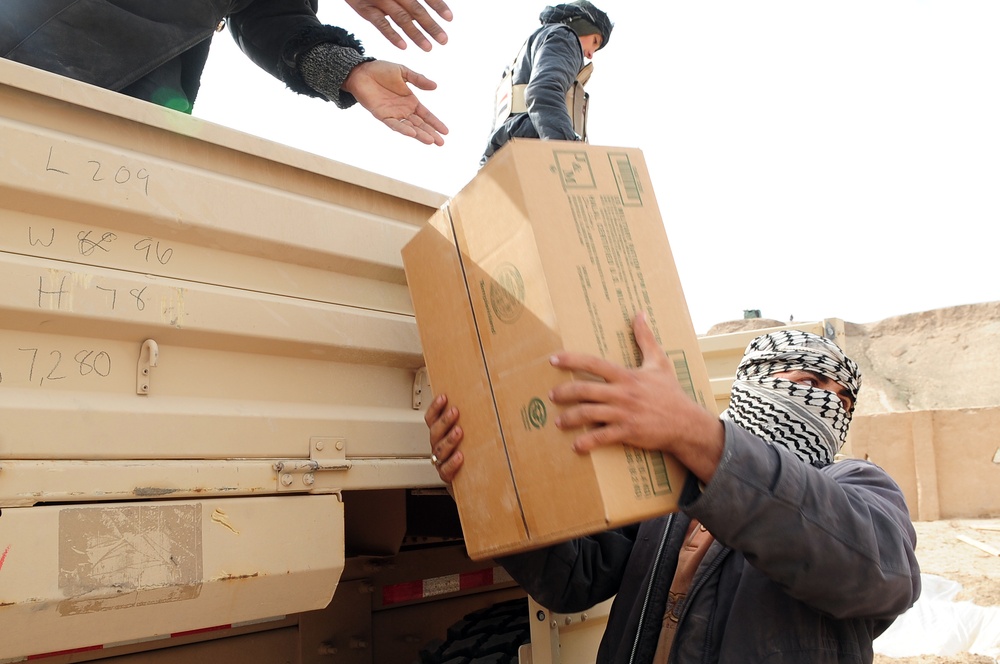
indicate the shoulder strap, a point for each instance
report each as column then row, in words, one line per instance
column 510, row 99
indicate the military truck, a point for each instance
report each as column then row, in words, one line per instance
column 211, row 394
column 211, row 434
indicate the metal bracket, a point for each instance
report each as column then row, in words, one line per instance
column 149, row 355
column 325, row 455
column 421, row 388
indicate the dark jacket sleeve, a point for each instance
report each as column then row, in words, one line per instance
column 838, row 538
column 276, row 33
column 556, row 59
column 576, row 575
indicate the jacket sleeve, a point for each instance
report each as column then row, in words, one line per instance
column 556, row 59
column 838, row 538
column 275, row 34
column 575, row 575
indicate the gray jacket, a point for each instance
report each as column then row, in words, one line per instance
column 809, row 565
column 548, row 63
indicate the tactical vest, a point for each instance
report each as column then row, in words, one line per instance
column 510, row 99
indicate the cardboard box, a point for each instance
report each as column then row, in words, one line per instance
column 553, row 245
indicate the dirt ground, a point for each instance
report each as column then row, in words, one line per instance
column 940, row 552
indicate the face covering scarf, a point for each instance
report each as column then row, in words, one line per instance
column 810, row 422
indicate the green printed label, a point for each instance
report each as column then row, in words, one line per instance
column 507, row 293
column 534, row 415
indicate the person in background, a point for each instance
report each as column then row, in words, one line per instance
column 541, row 94
column 156, row 51
column 778, row 554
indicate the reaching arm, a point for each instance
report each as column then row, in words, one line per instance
column 404, row 13
column 837, row 538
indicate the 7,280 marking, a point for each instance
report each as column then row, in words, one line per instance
column 55, row 365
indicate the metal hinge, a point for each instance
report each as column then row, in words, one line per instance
column 149, row 355
column 325, row 455
column 421, row 388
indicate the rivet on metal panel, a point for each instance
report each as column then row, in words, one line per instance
column 286, row 479
column 326, row 448
column 308, row 479
column 540, row 616
column 569, row 620
column 327, row 649
column 358, row 644
column 149, row 356
column 421, row 388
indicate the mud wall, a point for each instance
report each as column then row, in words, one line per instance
column 946, row 461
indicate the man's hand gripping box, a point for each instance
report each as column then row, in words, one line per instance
column 553, row 245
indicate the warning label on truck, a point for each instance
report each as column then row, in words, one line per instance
column 126, row 556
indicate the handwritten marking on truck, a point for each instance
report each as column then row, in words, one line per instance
column 97, row 171
column 82, row 292
column 42, row 364
column 90, row 242
column 3, row 557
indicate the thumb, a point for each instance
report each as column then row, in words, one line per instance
column 419, row 80
column 653, row 356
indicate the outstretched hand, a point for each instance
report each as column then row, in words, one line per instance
column 645, row 407
column 403, row 13
column 383, row 88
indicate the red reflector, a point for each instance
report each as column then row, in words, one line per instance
column 199, row 631
column 402, row 592
column 64, row 652
column 479, row 578
column 443, row 585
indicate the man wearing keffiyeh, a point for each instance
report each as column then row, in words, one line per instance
column 798, row 390
column 777, row 554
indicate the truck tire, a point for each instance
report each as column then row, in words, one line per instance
column 487, row 636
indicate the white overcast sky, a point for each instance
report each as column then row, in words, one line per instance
column 810, row 159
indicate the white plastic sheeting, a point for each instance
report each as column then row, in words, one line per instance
column 938, row 625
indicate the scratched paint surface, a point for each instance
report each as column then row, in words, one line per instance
column 125, row 556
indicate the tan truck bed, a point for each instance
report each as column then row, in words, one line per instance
column 205, row 338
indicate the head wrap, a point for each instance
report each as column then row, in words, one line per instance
column 582, row 16
column 811, row 422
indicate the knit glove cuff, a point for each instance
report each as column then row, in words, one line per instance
column 326, row 66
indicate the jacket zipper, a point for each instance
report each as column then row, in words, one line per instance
column 649, row 589
column 698, row 585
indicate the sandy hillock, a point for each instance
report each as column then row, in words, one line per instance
column 938, row 359
column 944, row 358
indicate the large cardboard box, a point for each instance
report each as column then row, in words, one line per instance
column 553, row 245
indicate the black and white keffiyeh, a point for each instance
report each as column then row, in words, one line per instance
column 809, row 421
